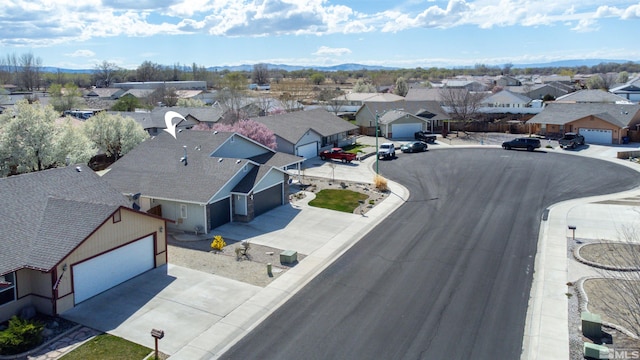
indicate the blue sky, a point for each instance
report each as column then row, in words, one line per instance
column 403, row 33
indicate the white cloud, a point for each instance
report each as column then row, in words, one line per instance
column 50, row 22
column 328, row 51
column 632, row 12
column 586, row 25
column 82, row 53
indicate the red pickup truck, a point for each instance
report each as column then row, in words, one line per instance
column 338, row 154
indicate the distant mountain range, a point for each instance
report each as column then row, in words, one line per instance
column 354, row 67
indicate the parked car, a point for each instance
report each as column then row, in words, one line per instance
column 522, row 143
column 571, row 140
column 387, row 151
column 338, row 154
column 425, row 136
column 414, row 146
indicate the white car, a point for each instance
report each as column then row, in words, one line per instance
column 387, row 151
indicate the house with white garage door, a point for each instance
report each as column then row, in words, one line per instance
column 306, row 133
column 599, row 123
column 203, row 179
column 67, row 236
column 400, row 120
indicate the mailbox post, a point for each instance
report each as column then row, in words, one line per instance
column 573, row 229
column 157, row 335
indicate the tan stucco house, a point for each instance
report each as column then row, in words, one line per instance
column 67, row 236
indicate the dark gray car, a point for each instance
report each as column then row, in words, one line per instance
column 522, row 143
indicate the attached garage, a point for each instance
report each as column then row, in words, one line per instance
column 405, row 130
column 598, row 136
column 267, row 199
column 308, row 151
column 101, row 273
column 219, row 213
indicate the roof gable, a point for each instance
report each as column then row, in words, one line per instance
column 293, row 126
column 47, row 212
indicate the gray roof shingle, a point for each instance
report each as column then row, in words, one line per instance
column 154, row 169
column 47, row 214
column 560, row 113
column 292, row 126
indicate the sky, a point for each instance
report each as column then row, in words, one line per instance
column 394, row 33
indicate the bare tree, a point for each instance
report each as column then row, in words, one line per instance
column 462, row 104
column 148, row 71
column 260, row 74
column 105, row 74
column 30, row 68
column 294, row 94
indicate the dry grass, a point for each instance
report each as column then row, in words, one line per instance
column 380, row 183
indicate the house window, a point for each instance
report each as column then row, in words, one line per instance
column 183, row 211
column 117, row 216
column 7, row 288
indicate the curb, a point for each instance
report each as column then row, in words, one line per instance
column 579, row 258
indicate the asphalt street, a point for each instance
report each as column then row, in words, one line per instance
column 448, row 274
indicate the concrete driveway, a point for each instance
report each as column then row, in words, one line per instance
column 182, row 302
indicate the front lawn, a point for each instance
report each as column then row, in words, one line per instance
column 354, row 149
column 108, row 347
column 336, row 199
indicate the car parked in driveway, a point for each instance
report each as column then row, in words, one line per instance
column 414, row 146
column 522, row 143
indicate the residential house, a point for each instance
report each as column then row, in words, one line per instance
column 105, row 93
column 470, row 85
column 602, row 123
column 545, row 79
column 540, row 91
column 630, row 90
column 352, row 102
column 424, row 94
column 203, row 179
column 306, row 133
column 505, row 80
column 153, row 122
column 592, row 96
column 138, row 93
column 154, row 85
column 425, row 116
column 66, row 236
column 507, row 102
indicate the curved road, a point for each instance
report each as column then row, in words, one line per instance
column 448, row 274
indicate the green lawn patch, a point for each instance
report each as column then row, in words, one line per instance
column 353, row 149
column 108, row 347
column 336, row 199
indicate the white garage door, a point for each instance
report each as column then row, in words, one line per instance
column 103, row 272
column 598, row 136
column 405, row 130
column 308, row 151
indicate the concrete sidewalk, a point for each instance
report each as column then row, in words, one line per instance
column 546, row 334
